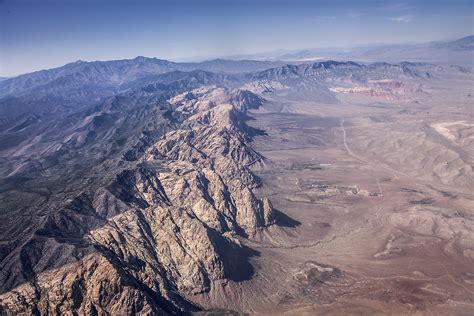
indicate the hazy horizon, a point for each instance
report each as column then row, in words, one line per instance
column 46, row 34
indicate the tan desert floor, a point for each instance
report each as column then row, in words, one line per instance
column 380, row 200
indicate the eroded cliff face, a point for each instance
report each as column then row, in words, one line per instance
column 169, row 225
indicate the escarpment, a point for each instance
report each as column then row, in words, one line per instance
column 162, row 230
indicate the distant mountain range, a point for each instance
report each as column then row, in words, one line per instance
column 465, row 43
column 111, row 76
column 458, row 52
column 105, row 74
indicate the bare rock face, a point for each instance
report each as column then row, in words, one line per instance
column 92, row 286
column 209, row 160
column 168, row 232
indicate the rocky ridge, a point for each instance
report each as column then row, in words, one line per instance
column 171, row 226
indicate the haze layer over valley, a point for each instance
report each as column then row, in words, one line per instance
column 144, row 186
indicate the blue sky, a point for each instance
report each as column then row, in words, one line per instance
column 37, row 34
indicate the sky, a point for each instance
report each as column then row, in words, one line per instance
column 40, row 34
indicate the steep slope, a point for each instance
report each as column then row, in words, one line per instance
column 159, row 231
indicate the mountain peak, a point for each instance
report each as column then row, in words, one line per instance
column 141, row 58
